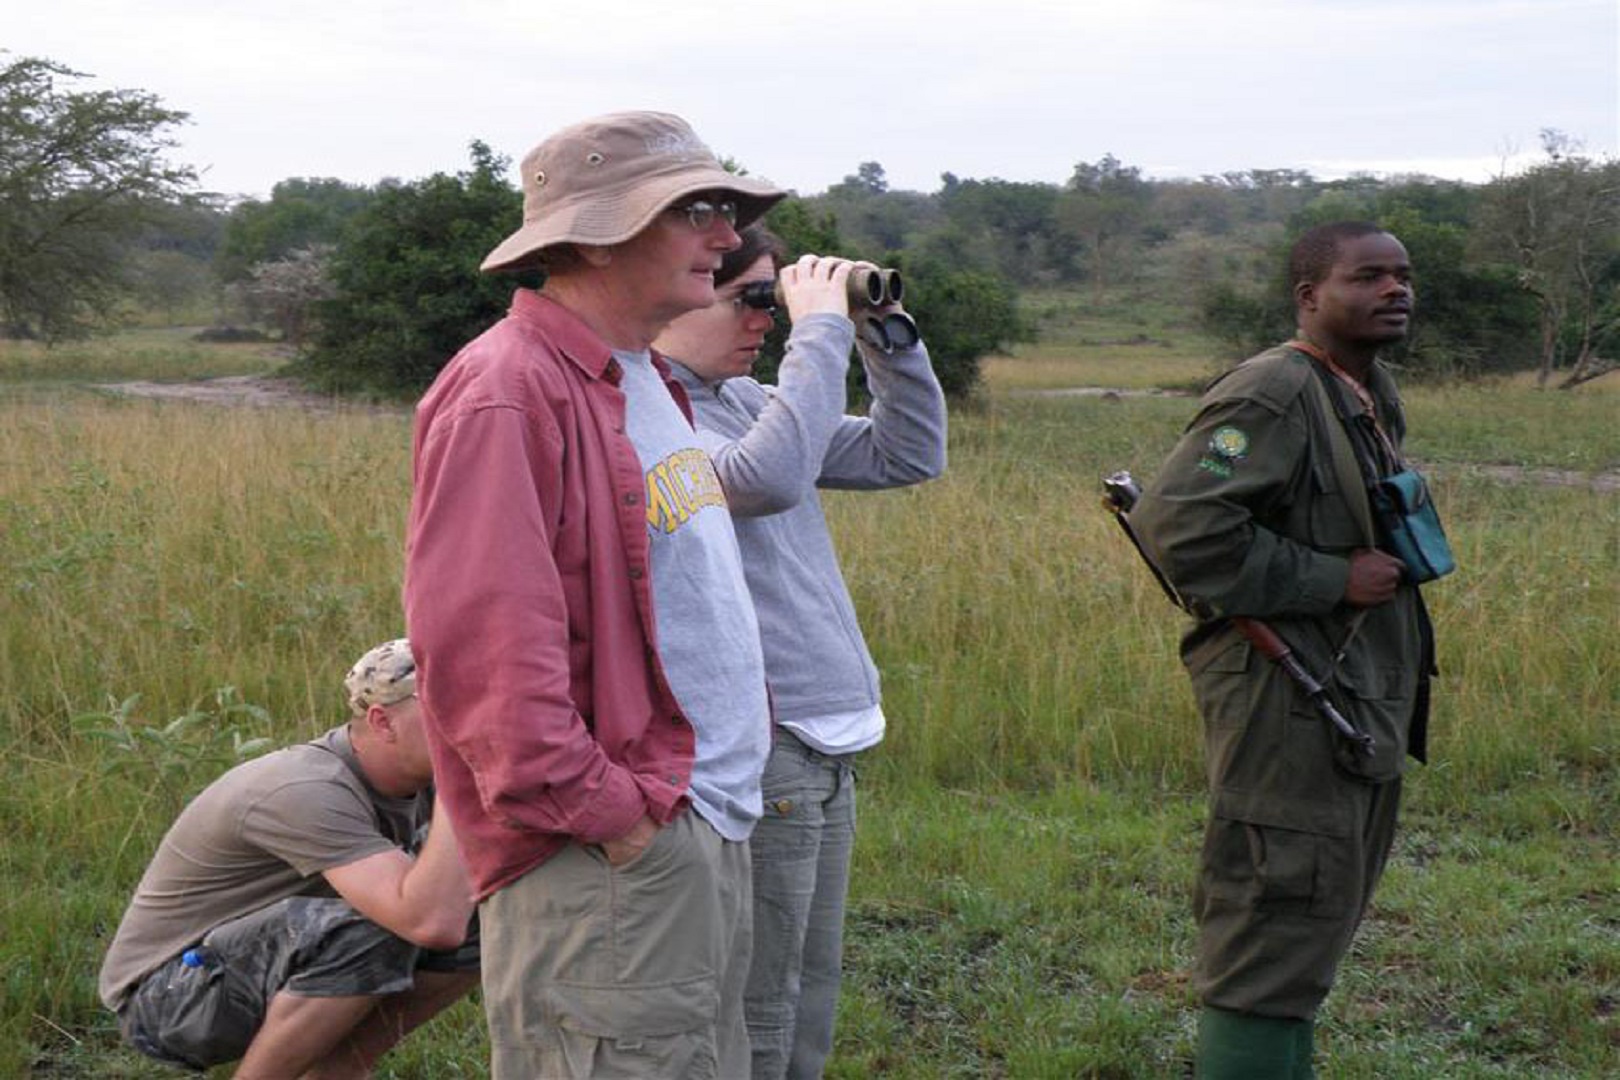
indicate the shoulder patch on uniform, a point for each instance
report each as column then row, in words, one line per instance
column 1227, row 446
column 1230, row 443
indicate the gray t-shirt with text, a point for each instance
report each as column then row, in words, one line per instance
column 708, row 638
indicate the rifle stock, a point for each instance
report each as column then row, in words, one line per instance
column 1120, row 494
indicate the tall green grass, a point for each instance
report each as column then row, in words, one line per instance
column 1121, row 340
column 1029, row 827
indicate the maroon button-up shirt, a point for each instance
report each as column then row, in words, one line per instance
column 528, row 603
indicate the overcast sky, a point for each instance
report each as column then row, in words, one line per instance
column 802, row 92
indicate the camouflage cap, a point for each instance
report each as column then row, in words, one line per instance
column 383, row 676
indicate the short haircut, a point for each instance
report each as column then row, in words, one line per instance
column 1313, row 254
column 757, row 240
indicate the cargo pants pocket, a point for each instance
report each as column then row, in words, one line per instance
column 595, row 970
column 1276, row 870
column 1281, row 855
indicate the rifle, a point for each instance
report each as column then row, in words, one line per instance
column 1120, row 494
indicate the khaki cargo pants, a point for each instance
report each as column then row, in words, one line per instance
column 592, row 970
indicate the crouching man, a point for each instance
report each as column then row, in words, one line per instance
column 285, row 920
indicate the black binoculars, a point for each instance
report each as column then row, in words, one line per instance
column 868, row 288
column 886, row 333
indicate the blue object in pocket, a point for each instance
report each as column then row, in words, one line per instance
column 1412, row 526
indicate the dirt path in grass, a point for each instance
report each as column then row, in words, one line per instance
column 1608, row 482
column 248, row 391
column 1107, row 393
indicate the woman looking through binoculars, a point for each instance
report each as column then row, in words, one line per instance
column 773, row 446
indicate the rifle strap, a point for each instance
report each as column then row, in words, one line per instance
column 1350, row 467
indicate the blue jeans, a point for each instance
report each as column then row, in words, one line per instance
column 801, row 850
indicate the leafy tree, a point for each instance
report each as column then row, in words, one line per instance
column 801, row 228
column 869, row 178
column 407, row 289
column 172, row 265
column 1245, row 320
column 82, row 174
column 964, row 309
column 172, row 282
column 300, row 212
column 871, row 218
column 1269, row 195
column 965, row 314
column 1194, row 204
column 193, row 226
column 1105, row 205
column 1559, row 224
column 286, row 292
column 1012, row 226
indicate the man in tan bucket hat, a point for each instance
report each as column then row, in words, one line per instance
column 590, row 659
column 603, row 181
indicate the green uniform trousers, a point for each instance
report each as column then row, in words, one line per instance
column 1293, row 848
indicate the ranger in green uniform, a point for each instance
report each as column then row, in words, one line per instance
column 1262, row 511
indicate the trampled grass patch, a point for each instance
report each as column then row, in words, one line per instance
column 1118, row 340
column 1030, row 826
column 160, row 354
column 1509, row 424
column 1119, row 365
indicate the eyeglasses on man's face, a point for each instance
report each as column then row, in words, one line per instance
column 701, row 212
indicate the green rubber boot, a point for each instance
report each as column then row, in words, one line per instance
column 1305, row 1050
column 1243, row 1046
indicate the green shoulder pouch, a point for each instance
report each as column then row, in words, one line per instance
column 1411, row 525
column 1403, row 515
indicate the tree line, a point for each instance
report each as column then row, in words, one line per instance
column 376, row 286
column 1520, row 272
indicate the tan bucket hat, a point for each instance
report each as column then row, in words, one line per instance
column 603, row 180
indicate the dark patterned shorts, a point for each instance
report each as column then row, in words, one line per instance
column 194, row 1017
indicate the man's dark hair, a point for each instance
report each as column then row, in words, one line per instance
column 1312, row 255
column 757, row 240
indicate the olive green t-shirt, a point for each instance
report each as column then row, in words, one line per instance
column 262, row 832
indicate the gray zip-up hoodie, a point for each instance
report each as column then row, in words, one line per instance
column 773, row 446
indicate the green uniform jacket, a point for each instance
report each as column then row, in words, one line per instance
column 1255, row 513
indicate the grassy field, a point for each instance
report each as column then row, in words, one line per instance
column 178, row 579
column 161, row 354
